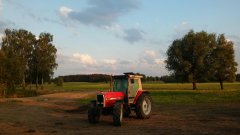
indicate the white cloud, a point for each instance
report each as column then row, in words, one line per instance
column 148, row 62
column 110, row 61
column 65, row 11
column 84, row 59
column 159, row 61
column 114, row 27
column 150, row 53
column 184, row 23
column 150, row 59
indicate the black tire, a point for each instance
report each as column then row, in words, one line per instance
column 93, row 113
column 117, row 114
column 144, row 106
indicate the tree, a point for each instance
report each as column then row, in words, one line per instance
column 59, row 81
column 2, row 73
column 22, row 58
column 186, row 57
column 201, row 56
column 17, row 47
column 238, row 77
column 168, row 78
column 222, row 62
column 43, row 62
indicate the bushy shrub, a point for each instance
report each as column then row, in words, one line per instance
column 59, row 81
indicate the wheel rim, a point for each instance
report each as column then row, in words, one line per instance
column 146, row 106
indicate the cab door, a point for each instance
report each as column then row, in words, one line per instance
column 133, row 88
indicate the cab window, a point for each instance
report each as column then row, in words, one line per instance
column 120, row 85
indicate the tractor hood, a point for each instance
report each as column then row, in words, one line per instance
column 108, row 99
column 113, row 95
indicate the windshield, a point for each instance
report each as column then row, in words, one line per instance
column 120, row 85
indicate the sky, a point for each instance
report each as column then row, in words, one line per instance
column 117, row 36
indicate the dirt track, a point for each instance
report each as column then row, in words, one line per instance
column 60, row 114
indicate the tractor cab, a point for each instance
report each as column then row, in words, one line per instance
column 129, row 84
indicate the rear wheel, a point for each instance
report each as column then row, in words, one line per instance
column 117, row 114
column 93, row 113
column 144, row 106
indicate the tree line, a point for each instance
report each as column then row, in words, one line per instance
column 238, row 77
column 101, row 78
column 202, row 56
column 107, row 78
column 25, row 59
column 87, row 78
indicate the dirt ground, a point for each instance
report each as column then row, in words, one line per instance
column 61, row 114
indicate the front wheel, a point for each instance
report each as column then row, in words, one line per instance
column 144, row 106
column 117, row 114
column 93, row 113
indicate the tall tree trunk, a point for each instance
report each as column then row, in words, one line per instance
column 221, row 84
column 37, row 82
column 4, row 92
column 31, row 85
column 42, row 83
column 23, row 83
column 12, row 87
column 194, row 85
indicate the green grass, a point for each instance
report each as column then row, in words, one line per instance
column 182, row 93
column 188, row 86
column 194, row 97
column 77, row 86
column 166, row 93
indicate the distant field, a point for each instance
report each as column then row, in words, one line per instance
column 73, row 86
column 167, row 93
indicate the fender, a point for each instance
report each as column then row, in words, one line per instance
column 139, row 93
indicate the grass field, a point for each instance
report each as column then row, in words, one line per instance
column 167, row 93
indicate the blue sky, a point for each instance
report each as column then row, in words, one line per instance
column 116, row 36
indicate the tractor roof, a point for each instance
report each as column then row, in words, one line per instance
column 127, row 75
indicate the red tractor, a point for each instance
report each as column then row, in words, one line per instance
column 126, row 94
